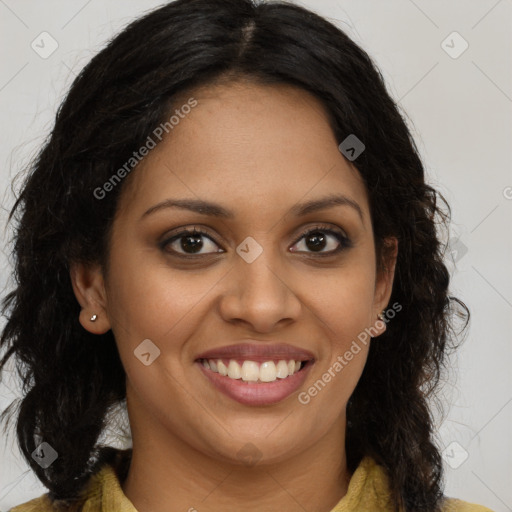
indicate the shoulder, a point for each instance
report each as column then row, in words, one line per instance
column 378, row 490
column 41, row 504
column 456, row 505
column 101, row 492
column 44, row 504
column 87, row 499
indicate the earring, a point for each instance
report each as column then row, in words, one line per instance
column 93, row 318
column 381, row 315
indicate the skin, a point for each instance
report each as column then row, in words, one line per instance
column 257, row 150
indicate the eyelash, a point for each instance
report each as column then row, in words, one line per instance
column 343, row 240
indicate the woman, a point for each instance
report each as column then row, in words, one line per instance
column 230, row 228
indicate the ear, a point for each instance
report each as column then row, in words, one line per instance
column 89, row 289
column 384, row 280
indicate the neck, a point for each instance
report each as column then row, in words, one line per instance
column 167, row 474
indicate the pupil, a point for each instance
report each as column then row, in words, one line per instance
column 195, row 246
column 319, row 241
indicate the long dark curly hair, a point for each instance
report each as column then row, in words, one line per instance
column 71, row 378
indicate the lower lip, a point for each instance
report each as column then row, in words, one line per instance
column 253, row 393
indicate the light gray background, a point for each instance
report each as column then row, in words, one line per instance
column 460, row 112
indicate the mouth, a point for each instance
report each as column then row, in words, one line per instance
column 253, row 371
column 256, row 373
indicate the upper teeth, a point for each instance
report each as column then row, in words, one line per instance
column 253, row 371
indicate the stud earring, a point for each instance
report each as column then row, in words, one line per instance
column 93, row 318
column 381, row 315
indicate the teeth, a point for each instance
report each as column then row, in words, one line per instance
column 282, row 369
column 221, row 368
column 268, row 371
column 251, row 371
column 234, row 370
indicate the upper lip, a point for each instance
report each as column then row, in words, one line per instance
column 263, row 351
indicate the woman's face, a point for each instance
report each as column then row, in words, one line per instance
column 262, row 153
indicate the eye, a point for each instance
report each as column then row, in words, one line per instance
column 189, row 243
column 317, row 238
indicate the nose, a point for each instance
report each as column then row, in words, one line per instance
column 260, row 294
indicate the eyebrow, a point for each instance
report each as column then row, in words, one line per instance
column 215, row 210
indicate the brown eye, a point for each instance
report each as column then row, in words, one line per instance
column 190, row 242
column 317, row 239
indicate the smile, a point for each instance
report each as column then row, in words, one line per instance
column 255, row 383
column 252, row 371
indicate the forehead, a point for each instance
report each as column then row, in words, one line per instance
column 246, row 144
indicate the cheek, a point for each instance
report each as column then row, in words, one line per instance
column 345, row 303
column 349, row 311
column 344, row 309
column 149, row 299
column 343, row 357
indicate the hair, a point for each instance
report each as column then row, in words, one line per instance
column 71, row 378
